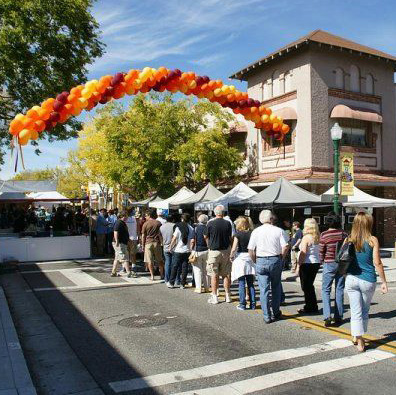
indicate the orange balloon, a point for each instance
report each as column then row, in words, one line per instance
column 44, row 113
column 76, row 91
column 231, row 97
column 23, row 141
column 68, row 108
column 72, row 98
column 28, row 123
column 16, row 125
column 34, row 135
column 39, row 125
column 268, row 111
column 64, row 116
column 285, row 129
column 19, row 117
column 48, row 104
column 76, row 111
column 275, row 126
column 33, row 113
column 254, row 110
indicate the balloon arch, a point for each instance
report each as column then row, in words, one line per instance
column 53, row 111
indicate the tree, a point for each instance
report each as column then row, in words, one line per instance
column 207, row 156
column 37, row 175
column 45, row 47
column 146, row 144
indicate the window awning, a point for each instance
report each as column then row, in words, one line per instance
column 343, row 111
column 286, row 113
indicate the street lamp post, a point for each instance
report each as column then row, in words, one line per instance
column 336, row 135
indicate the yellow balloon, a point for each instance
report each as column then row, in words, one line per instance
column 25, row 134
column 272, row 117
column 192, row 85
column 217, row 92
column 86, row 93
column 232, row 88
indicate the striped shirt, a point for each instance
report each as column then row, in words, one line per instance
column 328, row 243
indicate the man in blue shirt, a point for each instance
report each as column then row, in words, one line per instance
column 101, row 231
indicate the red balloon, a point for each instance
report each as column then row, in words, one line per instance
column 62, row 97
column 58, row 105
column 250, row 102
column 54, row 117
column 118, row 78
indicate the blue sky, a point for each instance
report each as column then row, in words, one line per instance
column 216, row 38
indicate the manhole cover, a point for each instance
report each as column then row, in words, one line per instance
column 143, row 321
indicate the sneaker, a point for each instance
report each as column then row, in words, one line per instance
column 327, row 322
column 252, row 307
column 198, row 291
column 169, row 285
column 241, row 307
column 228, row 298
column 114, row 275
column 182, row 287
column 338, row 322
column 278, row 316
column 129, row 275
column 134, row 275
column 268, row 321
column 213, row 299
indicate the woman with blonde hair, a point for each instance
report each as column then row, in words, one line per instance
column 361, row 278
column 242, row 264
column 308, row 265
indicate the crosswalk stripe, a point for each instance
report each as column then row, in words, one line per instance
column 80, row 278
column 291, row 375
column 225, row 367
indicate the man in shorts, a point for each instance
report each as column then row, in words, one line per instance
column 120, row 245
column 218, row 237
column 152, row 242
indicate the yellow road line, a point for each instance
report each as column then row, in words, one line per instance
column 376, row 342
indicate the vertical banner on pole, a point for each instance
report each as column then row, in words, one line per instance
column 347, row 176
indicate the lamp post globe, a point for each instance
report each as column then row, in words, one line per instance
column 336, row 136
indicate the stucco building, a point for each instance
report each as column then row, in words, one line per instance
column 312, row 83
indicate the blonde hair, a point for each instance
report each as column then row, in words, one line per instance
column 311, row 228
column 203, row 219
column 242, row 224
column 361, row 230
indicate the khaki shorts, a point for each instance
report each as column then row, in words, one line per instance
column 219, row 263
column 121, row 252
column 153, row 253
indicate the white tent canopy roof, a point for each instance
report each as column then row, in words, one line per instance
column 239, row 192
column 206, row 194
column 359, row 199
column 182, row 194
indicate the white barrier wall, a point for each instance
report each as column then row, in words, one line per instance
column 30, row 249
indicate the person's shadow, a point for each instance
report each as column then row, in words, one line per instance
column 384, row 314
column 386, row 340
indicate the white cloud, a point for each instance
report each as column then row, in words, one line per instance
column 146, row 32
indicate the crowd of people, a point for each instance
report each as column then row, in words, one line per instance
column 33, row 220
column 237, row 251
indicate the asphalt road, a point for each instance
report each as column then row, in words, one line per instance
column 126, row 332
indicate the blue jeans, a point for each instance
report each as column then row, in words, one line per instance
column 179, row 263
column 168, row 265
column 330, row 274
column 249, row 279
column 360, row 293
column 269, row 272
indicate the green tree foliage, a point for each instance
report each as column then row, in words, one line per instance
column 37, row 175
column 158, row 144
column 45, row 46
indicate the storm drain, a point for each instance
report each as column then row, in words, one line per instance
column 143, row 321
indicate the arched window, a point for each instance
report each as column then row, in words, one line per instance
column 339, row 78
column 275, row 84
column 288, row 82
column 369, row 84
column 355, row 79
column 267, row 90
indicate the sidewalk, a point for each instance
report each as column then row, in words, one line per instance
column 14, row 375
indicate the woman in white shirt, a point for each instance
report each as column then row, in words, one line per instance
column 181, row 247
column 308, row 265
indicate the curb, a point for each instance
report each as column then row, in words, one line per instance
column 23, row 384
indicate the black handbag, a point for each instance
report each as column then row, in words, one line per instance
column 344, row 256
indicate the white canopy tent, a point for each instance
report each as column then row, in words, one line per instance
column 48, row 199
column 239, row 192
column 180, row 195
column 359, row 199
